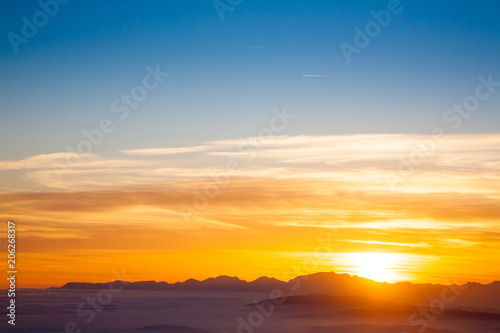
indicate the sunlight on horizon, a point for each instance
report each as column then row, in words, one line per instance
column 377, row 266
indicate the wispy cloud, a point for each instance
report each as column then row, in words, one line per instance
column 462, row 163
column 387, row 243
column 164, row 151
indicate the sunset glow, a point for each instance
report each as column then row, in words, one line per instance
column 377, row 266
column 171, row 223
column 176, row 140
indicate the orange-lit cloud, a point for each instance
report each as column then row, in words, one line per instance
column 268, row 214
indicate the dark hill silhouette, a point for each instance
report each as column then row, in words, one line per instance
column 480, row 296
column 220, row 283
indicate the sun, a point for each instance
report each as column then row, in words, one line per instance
column 377, row 266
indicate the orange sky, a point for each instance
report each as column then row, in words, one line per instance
column 293, row 206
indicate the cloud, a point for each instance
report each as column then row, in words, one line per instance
column 387, row 243
column 164, row 151
column 39, row 161
column 295, row 181
column 465, row 163
column 255, row 217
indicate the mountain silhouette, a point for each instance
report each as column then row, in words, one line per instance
column 476, row 295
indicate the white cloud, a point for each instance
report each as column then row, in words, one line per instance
column 462, row 163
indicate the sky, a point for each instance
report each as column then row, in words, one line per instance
column 252, row 138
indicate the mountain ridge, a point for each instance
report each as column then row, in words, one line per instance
column 225, row 281
column 469, row 295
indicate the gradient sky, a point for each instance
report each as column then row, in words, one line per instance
column 326, row 170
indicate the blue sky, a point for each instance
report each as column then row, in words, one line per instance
column 227, row 77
